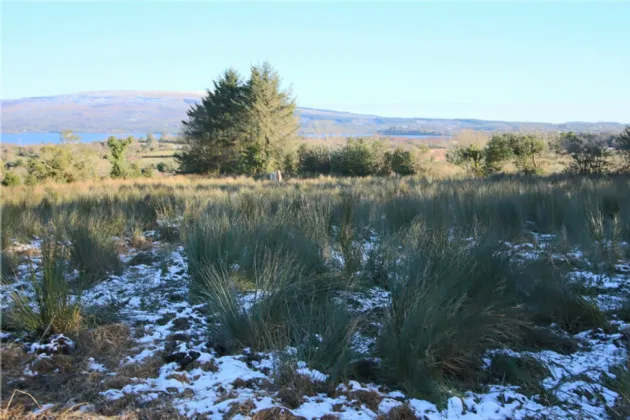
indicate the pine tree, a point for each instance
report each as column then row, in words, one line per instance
column 271, row 122
column 215, row 131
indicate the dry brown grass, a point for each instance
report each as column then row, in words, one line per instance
column 107, row 343
column 276, row 413
column 244, row 409
column 148, row 368
column 402, row 412
column 141, row 243
column 65, row 379
column 371, row 399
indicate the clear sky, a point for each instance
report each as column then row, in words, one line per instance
column 535, row 61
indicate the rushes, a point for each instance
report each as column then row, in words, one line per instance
column 273, row 262
column 449, row 304
column 288, row 307
column 53, row 307
column 94, row 250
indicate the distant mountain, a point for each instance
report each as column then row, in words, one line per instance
column 162, row 111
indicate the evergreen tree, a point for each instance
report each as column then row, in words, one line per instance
column 118, row 156
column 215, row 131
column 271, row 121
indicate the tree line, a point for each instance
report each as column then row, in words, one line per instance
column 589, row 153
column 249, row 127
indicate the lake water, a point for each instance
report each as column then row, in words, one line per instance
column 29, row 139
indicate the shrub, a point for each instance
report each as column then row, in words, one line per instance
column 164, row 167
column 289, row 164
column 314, row 160
column 496, row 152
column 402, row 162
column 359, row 157
column 11, row 180
column 623, row 143
column 590, row 153
column 147, row 171
column 54, row 308
column 526, row 151
column 59, row 164
column 134, row 171
column 472, row 157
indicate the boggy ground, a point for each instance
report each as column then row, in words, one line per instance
column 403, row 300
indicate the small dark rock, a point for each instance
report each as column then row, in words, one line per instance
column 143, row 258
column 179, row 337
column 176, row 297
column 182, row 358
column 219, row 349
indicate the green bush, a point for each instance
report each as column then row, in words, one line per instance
column 147, row 171
column 60, row 164
column 472, row 157
column 402, row 162
column 525, row 149
column 623, row 143
column 164, row 167
column 359, row 157
column 11, row 180
column 590, row 153
column 314, row 160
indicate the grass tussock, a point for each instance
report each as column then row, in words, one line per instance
column 449, row 304
column 54, row 307
column 94, row 250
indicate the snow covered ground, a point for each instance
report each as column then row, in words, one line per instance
column 152, row 299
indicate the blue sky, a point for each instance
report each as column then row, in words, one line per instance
column 536, row 61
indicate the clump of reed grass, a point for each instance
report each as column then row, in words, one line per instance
column 450, row 304
column 289, row 306
column 94, row 251
column 54, row 306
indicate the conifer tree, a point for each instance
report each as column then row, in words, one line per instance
column 272, row 123
column 215, row 131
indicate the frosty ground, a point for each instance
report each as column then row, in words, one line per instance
column 155, row 358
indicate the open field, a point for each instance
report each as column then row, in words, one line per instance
column 389, row 298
